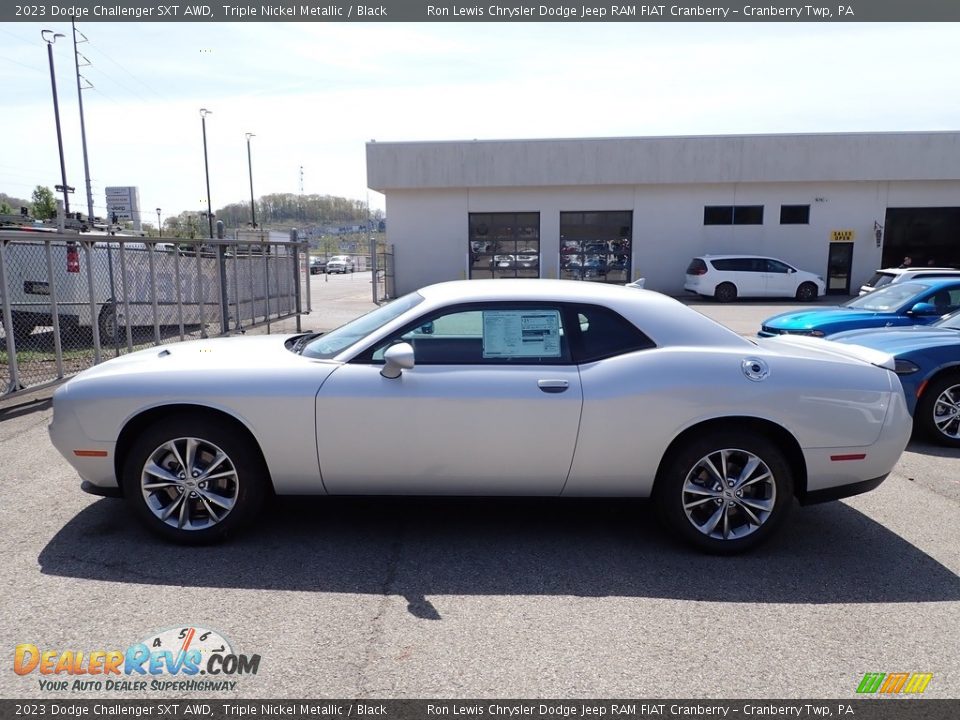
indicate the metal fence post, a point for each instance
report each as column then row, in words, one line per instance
column 201, row 295
column 266, row 286
column 14, row 383
column 373, row 268
column 151, row 261
column 94, row 317
column 54, row 310
column 176, row 279
column 126, row 294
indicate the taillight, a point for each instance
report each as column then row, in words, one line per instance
column 73, row 259
column 698, row 271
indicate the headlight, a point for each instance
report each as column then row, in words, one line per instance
column 905, row 367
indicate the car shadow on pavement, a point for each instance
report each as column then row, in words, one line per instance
column 418, row 548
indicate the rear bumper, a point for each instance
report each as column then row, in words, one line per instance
column 841, row 491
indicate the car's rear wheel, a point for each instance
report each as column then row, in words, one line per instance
column 725, row 492
column 807, row 292
column 192, row 480
column 938, row 412
column 725, row 292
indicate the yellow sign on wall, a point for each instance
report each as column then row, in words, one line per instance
column 841, row 236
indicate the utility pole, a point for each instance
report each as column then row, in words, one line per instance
column 83, row 129
column 50, row 37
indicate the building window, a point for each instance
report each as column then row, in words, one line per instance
column 794, row 214
column 504, row 245
column 596, row 246
column 733, row 215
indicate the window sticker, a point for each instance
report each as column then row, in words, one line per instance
column 521, row 333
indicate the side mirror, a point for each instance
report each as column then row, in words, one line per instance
column 924, row 309
column 396, row 359
column 791, row 270
column 427, row 328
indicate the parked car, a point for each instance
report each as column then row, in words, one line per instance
column 928, row 363
column 528, row 259
column 882, row 278
column 340, row 264
column 503, row 262
column 909, row 303
column 728, row 277
column 578, row 390
column 317, row 265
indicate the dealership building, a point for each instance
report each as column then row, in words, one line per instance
column 616, row 209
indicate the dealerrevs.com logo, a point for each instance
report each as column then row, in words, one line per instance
column 894, row 683
column 171, row 660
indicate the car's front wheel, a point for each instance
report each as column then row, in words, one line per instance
column 725, row 492
column 938, row 412
column 192, row 480
column 807, row 292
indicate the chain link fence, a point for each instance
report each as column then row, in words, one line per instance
column 72, row 301
column 384, row 286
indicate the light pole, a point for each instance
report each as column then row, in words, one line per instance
column 253, row 211
column 159, row 226
column 50, row 37
column 206, row 167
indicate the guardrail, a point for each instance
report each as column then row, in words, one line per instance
column 70, row 301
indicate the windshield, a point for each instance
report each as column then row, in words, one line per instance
column 951, row 321
column 889, row 298
column 338, row 340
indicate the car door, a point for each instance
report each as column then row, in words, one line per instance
column 491, row 407
column 779, row 279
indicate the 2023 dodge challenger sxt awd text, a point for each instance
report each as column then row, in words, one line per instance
column 499, row 387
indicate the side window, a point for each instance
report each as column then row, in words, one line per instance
column 487, row 336
column 946, row 300
column 604, row 333
column 775, row 266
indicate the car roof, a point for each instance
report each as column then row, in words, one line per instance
column 902, row 271
column 737, row 255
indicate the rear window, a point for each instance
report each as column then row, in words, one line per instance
column 740, row 265
column 879, row 280
column 696, row 267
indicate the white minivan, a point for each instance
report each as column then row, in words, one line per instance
column 728, row 277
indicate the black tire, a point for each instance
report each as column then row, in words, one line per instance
column 111, row 325
column 807, row 292
column 940, row 389
column 23, row 327
column 243, row 485
column 725, row 292
column 770, row 488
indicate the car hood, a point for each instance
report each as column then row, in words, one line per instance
column 901, row 340
column 809, row 319
column 216, row 354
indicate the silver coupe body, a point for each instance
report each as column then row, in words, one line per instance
column 499, row 387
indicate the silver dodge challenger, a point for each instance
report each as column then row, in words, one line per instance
column 494, row 388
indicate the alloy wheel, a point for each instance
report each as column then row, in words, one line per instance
column 729, row 494
column 189, row 484
column 946, row 412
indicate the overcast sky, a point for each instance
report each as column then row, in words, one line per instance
column 315, row 93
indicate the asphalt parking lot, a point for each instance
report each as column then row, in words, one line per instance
column 490, row 598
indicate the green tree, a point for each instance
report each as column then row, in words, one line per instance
column 44, row 205
column 5, row 208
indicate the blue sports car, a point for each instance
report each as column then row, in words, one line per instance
column 910, row 303
column 928, row 363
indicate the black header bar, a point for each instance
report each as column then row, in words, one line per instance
column 478, row 11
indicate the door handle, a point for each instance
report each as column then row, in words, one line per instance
column 553, row 386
